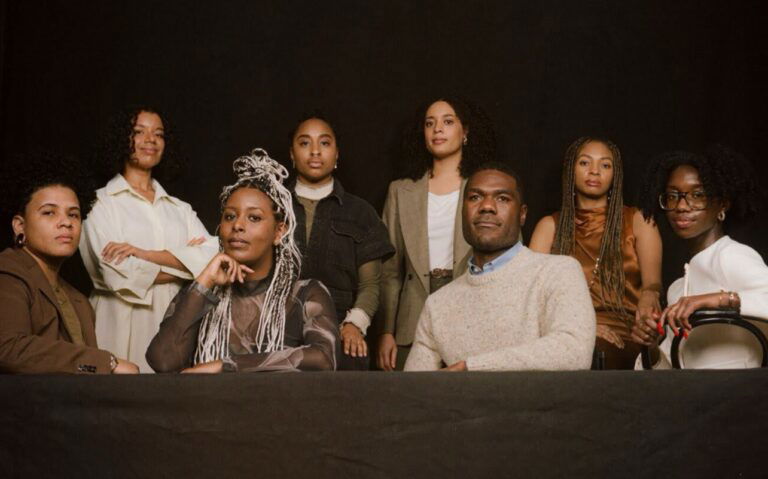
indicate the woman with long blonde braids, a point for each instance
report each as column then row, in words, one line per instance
column 247, row 311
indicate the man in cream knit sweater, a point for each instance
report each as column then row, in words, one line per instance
column 514, row 309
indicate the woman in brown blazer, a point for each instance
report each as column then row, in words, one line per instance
column 46, row 325
column 449, row 137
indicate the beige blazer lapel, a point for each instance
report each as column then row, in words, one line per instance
column 413, row 210
column 460, row 246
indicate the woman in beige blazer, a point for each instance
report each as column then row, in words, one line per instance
column 423, row 216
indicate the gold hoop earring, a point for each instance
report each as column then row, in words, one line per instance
column 721, row 216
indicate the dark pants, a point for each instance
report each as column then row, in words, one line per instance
column 403, row 351
column 608, row 356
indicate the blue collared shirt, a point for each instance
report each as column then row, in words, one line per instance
column 497, row 263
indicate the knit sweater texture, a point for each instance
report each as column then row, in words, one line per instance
column 534, row 313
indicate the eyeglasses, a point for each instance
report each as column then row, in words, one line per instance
column 696, row 200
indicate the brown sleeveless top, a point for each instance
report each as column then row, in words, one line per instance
column 590, row 225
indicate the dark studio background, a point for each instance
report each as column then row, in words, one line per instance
column 651, row 75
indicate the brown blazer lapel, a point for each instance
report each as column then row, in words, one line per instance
column 84, row 313
column 41, row 282
column 413, row 211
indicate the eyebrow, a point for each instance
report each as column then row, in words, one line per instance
column 323, row 135
column 144, row 125
column 494, row 192
column 695, row 185
column 599, row 158
column 247, row 208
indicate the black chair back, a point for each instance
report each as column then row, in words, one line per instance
column 704, row 318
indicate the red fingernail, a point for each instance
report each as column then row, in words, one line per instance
column 659, row 328
column 685, row 334
column 675, row 331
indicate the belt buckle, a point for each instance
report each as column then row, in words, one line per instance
column 439, row 273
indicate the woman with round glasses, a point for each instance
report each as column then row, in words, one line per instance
column 701, row 195
column 619, row 251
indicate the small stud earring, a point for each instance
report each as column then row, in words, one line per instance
column 20, row 240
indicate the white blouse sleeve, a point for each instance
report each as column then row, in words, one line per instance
column 132, row 279
column 194, row 258
column 746, row 273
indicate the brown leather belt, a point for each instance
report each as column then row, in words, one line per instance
column 441, row 273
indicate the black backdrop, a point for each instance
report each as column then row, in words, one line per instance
column 652, row 75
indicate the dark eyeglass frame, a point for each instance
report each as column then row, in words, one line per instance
column 682, row 195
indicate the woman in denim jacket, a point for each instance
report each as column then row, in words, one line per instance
column 342, row 240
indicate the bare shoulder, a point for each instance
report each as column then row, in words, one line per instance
column 640, row 224
column 543, row 235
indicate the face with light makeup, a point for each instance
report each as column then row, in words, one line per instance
column 314, row 151
column 690, row 221
column 250, row 228
column 444, row 131
column 593, row 171
column 50, row 222
column 147, row 141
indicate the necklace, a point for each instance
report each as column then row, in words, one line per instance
column 595, row 273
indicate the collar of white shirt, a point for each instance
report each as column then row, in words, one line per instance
column 118, row 184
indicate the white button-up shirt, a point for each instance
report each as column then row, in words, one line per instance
column 129, row 307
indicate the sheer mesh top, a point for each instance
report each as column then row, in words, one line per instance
column 311, row 329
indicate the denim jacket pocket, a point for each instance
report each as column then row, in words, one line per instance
column 345, row 239
column 348, row 229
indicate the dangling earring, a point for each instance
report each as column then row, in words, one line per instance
column 465, row 141
column 20, row 240
column 721, row 216
column 336, row 166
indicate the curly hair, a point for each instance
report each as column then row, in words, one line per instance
column 609, row 269
column 480, row 148
column 724, row 173
column 21, row 176
column 116, row 146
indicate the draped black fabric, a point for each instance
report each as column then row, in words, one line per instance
column 589, row 424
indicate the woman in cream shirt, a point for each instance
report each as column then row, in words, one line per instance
column 139, row 244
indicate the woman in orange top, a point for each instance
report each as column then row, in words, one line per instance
column 618, row 249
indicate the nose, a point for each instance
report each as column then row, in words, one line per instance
column 488, row 205
column 149, row 137
column 594, row 169
column 239, row 224
column 679, row 206
column 65, row 221
column 314, row 149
